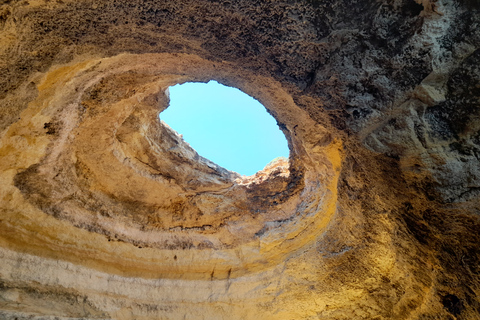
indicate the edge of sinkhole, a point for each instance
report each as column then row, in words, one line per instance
column 278, row 166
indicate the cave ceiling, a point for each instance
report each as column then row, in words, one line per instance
column 107, row 213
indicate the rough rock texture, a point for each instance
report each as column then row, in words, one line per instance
column 105, row 213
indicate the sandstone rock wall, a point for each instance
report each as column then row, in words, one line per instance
column 106, row 213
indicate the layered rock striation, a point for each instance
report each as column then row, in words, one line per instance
column 106, row 213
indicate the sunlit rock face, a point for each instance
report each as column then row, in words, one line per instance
column 106, row 213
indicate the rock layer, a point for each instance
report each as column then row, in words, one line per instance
column 106, row 213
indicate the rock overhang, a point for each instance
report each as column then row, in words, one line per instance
column 377, row 100
column 108, row 166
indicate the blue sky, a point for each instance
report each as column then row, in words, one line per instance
column 225, row 125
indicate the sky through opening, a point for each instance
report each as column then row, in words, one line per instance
column 225, row 125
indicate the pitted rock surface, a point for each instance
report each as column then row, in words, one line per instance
column 106, row 213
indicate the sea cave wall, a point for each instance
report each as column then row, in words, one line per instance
column 106, row 213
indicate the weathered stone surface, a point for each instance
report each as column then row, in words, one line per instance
column 106, row 213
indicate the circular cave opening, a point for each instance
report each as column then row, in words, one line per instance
column 226, row 126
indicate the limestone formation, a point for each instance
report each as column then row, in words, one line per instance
column 106, row 213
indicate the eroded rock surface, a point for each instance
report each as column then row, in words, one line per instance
column 106, row 213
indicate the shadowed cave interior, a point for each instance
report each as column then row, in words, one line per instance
column 107, row 213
